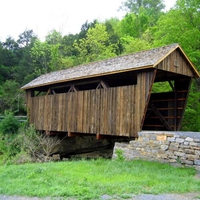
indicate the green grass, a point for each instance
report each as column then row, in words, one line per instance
column 90, row 179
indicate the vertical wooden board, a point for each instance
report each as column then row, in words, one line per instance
column 106, row 111
column 85, row 112
column 117, row 125
column 124, row 110
column 64, row 116
column 87, row 124
column 102, row 111
column 74, row 111
column 113, row 112
column 110, row 111
column 69, row 111
column 41, row 113
column 98, row 108
column 120, row 110
column 53, row 108
column 128, row 111
column 138, row 102
column 46, row 114
column 60, row 112
column 35, row 109
column 79, row 111
column 133, row 105
column 92, row 111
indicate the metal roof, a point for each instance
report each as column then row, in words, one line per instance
column 134, row 61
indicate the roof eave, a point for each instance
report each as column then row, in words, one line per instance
column 85, row 77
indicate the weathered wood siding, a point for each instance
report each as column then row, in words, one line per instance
column 113, row 111
column 176, row 63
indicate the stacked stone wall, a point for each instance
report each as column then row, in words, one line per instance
column 178, row 148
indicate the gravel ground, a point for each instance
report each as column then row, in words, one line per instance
column 188, row 196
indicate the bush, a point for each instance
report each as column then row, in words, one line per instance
column 9, row 124
column 9, row 146
column 38, row 146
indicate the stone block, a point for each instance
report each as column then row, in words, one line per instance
column 188, row 151
column 163, row 156
column 197, row 140
column 194, row 144
column 173, row 148
column 173, row 157
column 189, row 139
column 171, row 139
column 164, row 147
column 189, row 162
column 56, row 157
column 174, row 145
column 195, row 148
column 197, row 162
column 186, row 143
column 177, row 136
column 154, row 151
column 191, row 157
column 180, row 140
column 133, row 141
column 196, row 152
column 161, row 137
column 172, row 161
column 169, row 152
column 182, row 146
column 177, row 153
column 152, row 137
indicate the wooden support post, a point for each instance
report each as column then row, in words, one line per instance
column 175, row 105
column 175, row 110
column 162, row 119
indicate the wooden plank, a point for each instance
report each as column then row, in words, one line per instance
column 97, row 109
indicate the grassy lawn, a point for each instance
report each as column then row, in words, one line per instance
column 91, row 179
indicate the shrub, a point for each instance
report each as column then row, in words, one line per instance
column 37, row 145
column 9, row 124
column 9, row 146
column 120, row 155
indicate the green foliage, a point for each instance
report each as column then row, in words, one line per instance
column 120, row 155
column 131, row 44
column 191, row 120
column 95, row 46
column 11, row 97
column 9, row 147
column 9, row 124
column 91, row 179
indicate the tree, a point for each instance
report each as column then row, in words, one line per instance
column 54, row 37
column 26, row 38
column 131, row 44
column 41, row 55
column 11, row 97
column 95, row 46
column 85, row 27
column 135, row 5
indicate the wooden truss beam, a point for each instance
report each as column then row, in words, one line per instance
column 162, row 119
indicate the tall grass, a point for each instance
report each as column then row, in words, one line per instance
column 90, row 179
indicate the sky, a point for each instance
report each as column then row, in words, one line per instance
column 65, row 16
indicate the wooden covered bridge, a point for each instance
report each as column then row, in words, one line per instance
column 114, row 97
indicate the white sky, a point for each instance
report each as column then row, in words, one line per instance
column 66, row 16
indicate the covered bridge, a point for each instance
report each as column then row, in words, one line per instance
column 114, row 97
